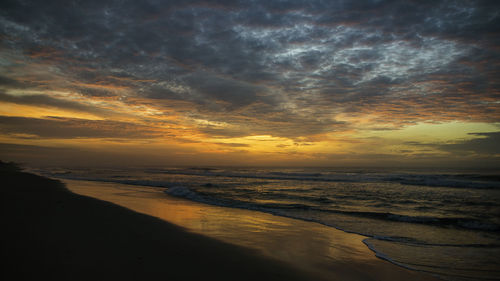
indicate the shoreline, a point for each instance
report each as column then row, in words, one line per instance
column 55, row 233
column 314, row 247
column 52, row 233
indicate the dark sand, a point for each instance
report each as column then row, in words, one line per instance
column 50, row 233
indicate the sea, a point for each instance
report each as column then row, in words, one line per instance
column 444, row 222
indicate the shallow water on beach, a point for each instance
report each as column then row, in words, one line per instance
column 444, row 223
column 311, row 247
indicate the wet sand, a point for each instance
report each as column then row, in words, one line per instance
column 310, row 247
column 51, row 233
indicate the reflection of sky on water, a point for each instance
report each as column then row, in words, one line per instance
column 308, row 245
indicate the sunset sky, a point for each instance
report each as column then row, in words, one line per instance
column 250, row 83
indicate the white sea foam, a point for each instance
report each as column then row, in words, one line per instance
column 383, row 256
column 184, row 192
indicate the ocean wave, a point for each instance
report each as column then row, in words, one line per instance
column 433, row 264
column 445, row 182
column 433, row 180
column 413, row 241
column 379, row 254
column 242, row 198
column 184, row 192
column 472, row 181
column 465, row 223
column 281, row 208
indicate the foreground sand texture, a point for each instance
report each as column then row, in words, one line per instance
column 309, row 246
column 49, row 233
column 54, row 234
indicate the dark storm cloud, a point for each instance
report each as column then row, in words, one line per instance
column 35, row 153
column 6, row 82
column 486, row 144
column 396, row 59
column 67, row 128
column 234, row 92
column 44, row 100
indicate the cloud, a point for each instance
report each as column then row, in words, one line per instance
column 486, row 144
column 233, row 144
column 6, row 82
column 282, row 68
column 42, row 100
column 68, row 128
column 233, row 94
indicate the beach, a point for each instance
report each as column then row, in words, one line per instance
column 53, row 233
column 50, row 233
column 437, row 222
column 250, row 140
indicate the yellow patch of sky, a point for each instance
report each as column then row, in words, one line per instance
column 256, row 143
column 400, row 141
column 437, row 132
column 272, row 144
column 111, row 144
column 115, row 107
column 28, row 111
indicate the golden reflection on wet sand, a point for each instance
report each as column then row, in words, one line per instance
column 308, row 245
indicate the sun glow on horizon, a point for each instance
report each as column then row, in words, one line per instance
column 204, row 85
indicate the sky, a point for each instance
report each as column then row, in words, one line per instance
column 250, row 83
